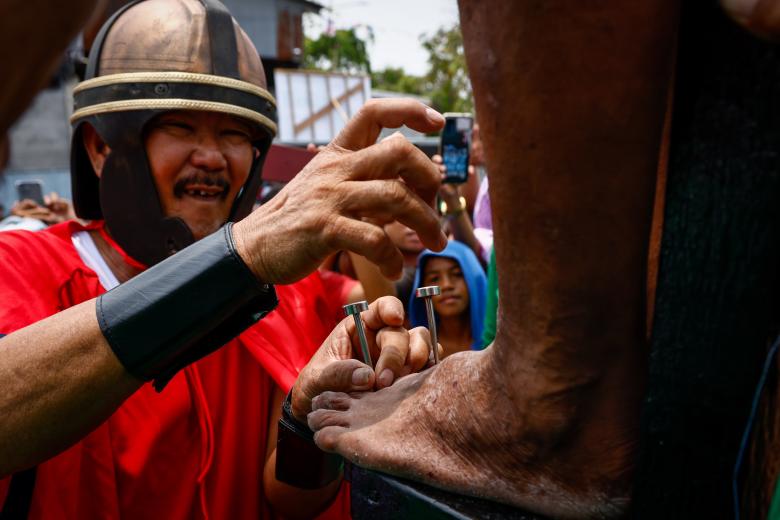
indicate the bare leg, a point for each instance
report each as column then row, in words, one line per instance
column 571, row 102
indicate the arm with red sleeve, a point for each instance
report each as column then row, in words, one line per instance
column 59, row 376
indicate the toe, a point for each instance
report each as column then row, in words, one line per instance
column 327, row 439
column 331, row 401
column 319, row 419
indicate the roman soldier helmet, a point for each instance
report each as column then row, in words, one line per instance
column 150, row 57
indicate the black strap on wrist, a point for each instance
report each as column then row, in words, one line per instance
column 183, row 308
column 299, row 462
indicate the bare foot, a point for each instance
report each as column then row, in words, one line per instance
column 455, row 427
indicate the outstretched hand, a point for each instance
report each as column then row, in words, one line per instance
column 344, row 196
column 396, row 352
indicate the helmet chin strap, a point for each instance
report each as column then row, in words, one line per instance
column 132, row 210
column 245, row 200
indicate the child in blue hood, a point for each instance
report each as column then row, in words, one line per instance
column 460, row 309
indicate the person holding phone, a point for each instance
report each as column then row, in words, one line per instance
column 453, row 194
column 52, row 209
column 33, row 211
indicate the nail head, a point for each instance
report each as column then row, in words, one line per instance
column 431, row 290
column 355, row 308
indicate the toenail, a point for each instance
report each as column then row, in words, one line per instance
column 361, row 376
column 386, row 377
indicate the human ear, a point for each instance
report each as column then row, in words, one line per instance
column 96, row 148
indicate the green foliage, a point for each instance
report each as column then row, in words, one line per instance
column 396, row 80
column 342, row 51
column 447, row 82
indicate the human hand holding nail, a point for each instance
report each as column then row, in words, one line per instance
column 336, row 367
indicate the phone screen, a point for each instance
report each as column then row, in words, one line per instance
column 455, row 146
column 32, row 190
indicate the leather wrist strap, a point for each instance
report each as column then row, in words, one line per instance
column 299, row 462
column 183, row 308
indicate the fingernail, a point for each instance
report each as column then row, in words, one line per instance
column 386, row 378
column 434, row 116
column 739, row 8
column 361, row 376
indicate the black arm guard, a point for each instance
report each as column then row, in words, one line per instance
column 183, row 308
column 299, row 462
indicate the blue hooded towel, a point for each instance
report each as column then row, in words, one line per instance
column 476, row 281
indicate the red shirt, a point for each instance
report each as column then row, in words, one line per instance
column 195, row 450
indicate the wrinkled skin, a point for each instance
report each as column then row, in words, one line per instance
column 395, row 352
column 345, row 195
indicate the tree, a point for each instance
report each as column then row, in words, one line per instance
column 447, row 82
column 341, row 51
column 396, row 80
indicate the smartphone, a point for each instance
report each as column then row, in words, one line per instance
column 455, row 146
column 32, row 189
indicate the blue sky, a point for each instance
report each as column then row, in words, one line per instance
column 397, row 26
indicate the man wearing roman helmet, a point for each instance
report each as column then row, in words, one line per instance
column 171, row 128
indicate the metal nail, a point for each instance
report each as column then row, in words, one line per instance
column 427, row 293
column 354, row 310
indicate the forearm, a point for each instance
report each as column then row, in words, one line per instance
column 67, row 373
column 60, row 380
column 293, row 502
column 463, row 231
column 290, row 501
column 374, row 283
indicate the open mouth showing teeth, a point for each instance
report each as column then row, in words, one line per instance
column 205, row 191
column 203, row 194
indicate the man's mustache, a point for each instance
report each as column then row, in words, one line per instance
column 201, row 178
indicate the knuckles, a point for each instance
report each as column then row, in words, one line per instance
column 397, row 191
column 394, row 356
column 376, row 239
column 420, row 334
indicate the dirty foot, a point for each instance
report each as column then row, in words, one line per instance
column 455, row 427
